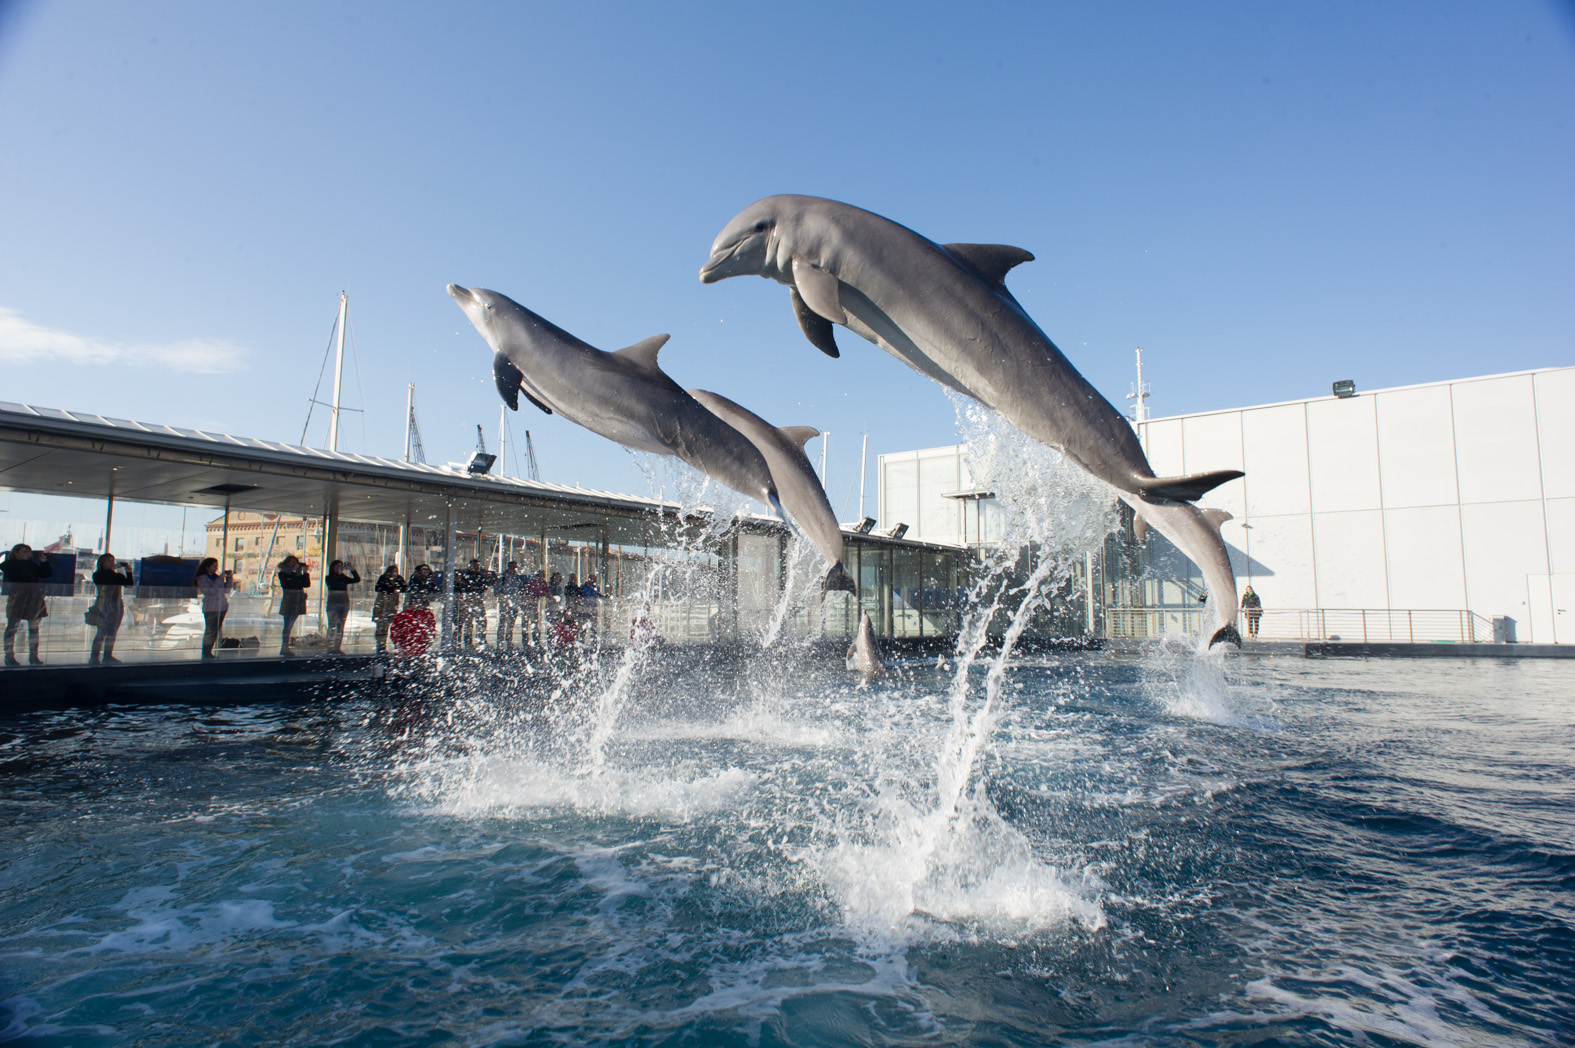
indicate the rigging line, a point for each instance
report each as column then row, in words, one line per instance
column 318, row 388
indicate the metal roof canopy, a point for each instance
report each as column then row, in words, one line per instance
column 49, row 451
column 53, row 452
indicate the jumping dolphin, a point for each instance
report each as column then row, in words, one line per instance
column 863, row 655
column 802, row 494
column 945, row 311
column 623, row 396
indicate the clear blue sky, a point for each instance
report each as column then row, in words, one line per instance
column 1267, row 197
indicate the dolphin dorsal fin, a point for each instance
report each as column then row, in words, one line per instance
column 643, row 354
column 1215, row 517
column 799, row 435
column 993, row 261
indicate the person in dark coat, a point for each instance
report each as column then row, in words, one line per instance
column 293, row 581
column 24, row 571
column 470, row 603
column 385, row 603
column 1252, row 604
column 340, row 578
column 423, row 587
column 109, row 607
column 510, row 591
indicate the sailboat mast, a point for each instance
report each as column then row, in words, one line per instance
column 339, row 372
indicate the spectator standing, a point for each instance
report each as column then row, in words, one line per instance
column 214, row 589
column 24, row 571
column 293, row 582
column 423, row 587
column 109, row 607
column 385, row 602
column 537, row 592
column 1252, row 604
column 470, row 602
column 340, row 578
column 510, row 591
column 590, row 601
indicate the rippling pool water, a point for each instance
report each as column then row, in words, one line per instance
column 1148, row 850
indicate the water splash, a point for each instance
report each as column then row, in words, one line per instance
column 949, row 855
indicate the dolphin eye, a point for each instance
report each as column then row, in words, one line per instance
column 760, row 227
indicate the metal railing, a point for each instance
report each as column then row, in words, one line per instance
column 1357, row 625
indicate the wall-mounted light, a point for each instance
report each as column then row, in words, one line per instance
column 865, row 525
column 1345, row 388
column 897, row 531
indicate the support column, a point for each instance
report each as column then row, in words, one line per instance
column 446, row 637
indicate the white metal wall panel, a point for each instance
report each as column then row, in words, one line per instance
column 1555, row 393
column 1536, row 625
column 1350, row 548
column 939, row 519
column 1274, row 450
column 1561, row 535
column 1342, row 443
column 1162, row 444
column 1283, row 546
column 1563, row 586
column 1503, row 544
column 1422, row 548
column 1496, row 440
column 1416, row 448
column 1213, row 442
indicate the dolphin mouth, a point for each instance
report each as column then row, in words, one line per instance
column 461, row 295
column 711, row 272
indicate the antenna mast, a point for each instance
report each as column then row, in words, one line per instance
column 414, row 452
column 530, row 458
column 1139, row 393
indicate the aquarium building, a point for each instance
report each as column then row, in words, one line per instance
column 1439, row 511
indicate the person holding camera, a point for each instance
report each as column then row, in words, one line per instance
column 24, row 570
column 214, row 589
column 110, row 607
column 338, row 582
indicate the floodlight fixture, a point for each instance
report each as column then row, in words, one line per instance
column 865, row 525
column 1345, row 388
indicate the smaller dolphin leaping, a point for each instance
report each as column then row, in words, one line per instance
column 800, row 490
column 623, row 396
column 945, row 311
column 863, row 655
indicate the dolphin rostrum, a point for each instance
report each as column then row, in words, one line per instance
column 623, row 396
column 945, row 311
column 863, row 655
column 800, row 490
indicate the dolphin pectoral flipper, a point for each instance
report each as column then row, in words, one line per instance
column 816, row 328
column 818, row 288
column 1189, row 488
column 508, row 377
column 991, row 261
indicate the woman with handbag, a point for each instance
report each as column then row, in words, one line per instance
column 109, row 608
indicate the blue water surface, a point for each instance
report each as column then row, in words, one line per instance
column 1143, row 850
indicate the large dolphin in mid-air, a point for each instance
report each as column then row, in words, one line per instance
column 801, row 492
column 623, row 396
column 945, row 311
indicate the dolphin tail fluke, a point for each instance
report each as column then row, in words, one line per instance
column 1189, row 488
column 1227, row 632
column 838, row 580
